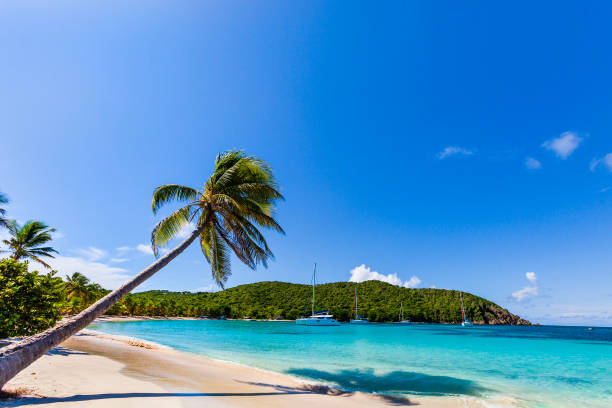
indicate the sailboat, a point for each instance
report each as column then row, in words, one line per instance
column 358, row 319
column 465, row 322
column 320, row 317
column 401, row 315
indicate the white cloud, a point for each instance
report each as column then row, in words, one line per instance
column 110, row 277
column 119, row 260
column 145, row 249
column 185, row 231
column 92, row 253
column 524, row 293
column 531, row 277
column 605, row 161
column 454, row 151
column 527, row 291
column 363, row 273
column 413, row 282
column 532, row 163
column 563, row 145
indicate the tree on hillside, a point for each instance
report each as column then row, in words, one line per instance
column 27, row 241
column 77, row 286
column 80, row 292
column 236, row 199
column 3, row 221
column 29, row 302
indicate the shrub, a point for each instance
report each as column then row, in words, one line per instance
column 29, row 302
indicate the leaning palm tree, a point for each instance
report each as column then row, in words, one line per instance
column 237, row 198
column 3, row 221
column 27, row 241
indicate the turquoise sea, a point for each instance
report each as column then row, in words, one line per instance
column 539, row 366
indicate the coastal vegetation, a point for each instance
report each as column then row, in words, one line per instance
column 30, row 302
column 237, row 199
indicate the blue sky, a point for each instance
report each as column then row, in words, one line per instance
column 456, row 146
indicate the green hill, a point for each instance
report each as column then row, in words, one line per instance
column 379, row 301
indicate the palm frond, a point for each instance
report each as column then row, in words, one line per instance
column 255, row 191
column 261, row 215
column 40, row 261
column 172, row 192
column 238, row 244
column 219, row 258
column 13, row 228
column 167, row 228
column 44, row 251
column 205, row 241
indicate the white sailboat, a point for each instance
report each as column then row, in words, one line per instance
column 401, row 315
column 358, row 319
column 465, row 322
column 318, row 318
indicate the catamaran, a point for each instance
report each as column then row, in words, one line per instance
column 320, row 317
column 465, row 322
column 358, row 319
column 401, row 315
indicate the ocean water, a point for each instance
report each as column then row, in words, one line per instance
column 539, row 366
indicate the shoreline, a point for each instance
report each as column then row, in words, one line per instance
column 135, row 372
column 105, row 318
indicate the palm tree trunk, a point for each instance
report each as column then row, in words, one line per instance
column 17, row 356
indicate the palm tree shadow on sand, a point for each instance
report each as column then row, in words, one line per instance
column 277, row 390
column 63, row 351
column 326, row 390
column 393, row 382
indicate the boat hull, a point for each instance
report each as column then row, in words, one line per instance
column 318, row 322
column 359, row 321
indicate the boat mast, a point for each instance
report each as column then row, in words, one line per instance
column 462, row 311
column 314, row 280
column 401, row 316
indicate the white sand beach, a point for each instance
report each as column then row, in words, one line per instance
column 103, row 371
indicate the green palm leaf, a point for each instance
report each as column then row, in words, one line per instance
column 172, row 192
column 167, row 229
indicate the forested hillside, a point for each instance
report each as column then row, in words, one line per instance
column 378, row 301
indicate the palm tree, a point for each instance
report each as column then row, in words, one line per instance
column 77, row 286
column 3, row 221
column 238, row 197
column 26, row 241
